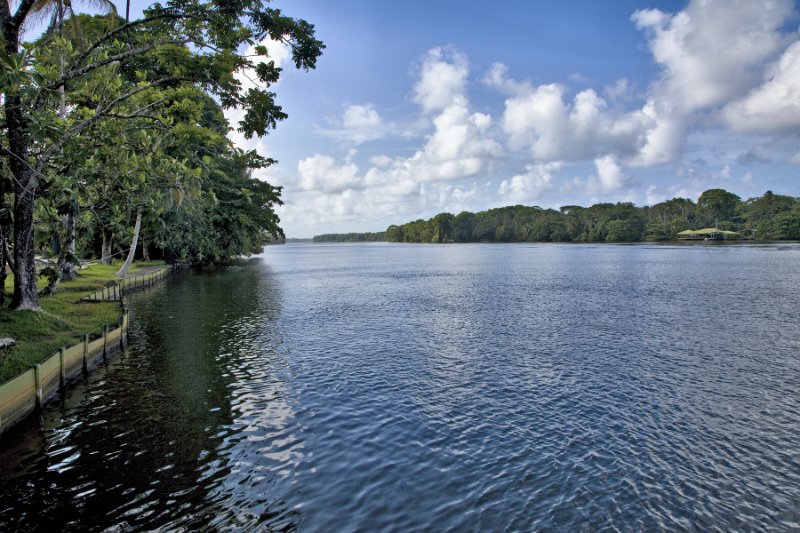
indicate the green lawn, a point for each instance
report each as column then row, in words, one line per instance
column 63, row 320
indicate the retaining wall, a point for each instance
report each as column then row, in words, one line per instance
column 22, row 395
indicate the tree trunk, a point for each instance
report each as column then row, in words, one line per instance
column 9, row 255
column 66, row 260
column 65, row 268
column 145, row 250
column 25, row 296
column 16, row 132
column 122, row 272
column 105, row 252
column 3, row 274
column 5, row 217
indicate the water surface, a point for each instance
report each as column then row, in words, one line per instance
column 413, row 387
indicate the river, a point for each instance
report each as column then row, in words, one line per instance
column 381, row 387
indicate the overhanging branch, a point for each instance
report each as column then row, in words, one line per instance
column 99, row 113
column 126, row 27
column 111, row 59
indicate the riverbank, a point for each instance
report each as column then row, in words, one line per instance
column 63, row 320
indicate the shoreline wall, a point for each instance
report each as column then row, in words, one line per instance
column 30, row 391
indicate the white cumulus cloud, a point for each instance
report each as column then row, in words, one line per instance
column 554, row 129
column 774, row 106
column 713, row 50
column 322, row 173
column 358, row 124
column 442, row 81
column 532, row 185
column 357, row 117
column 711, row 53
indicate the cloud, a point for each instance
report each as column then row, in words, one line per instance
column 442, row 79
column 461, row 143
column 321, row 173
column 381, row 160
column 620, row 90
column 358, row 117
column 553, row 129
column 652, row 196
column 757, row 154
column 358, row 124
column 458, row 147
column 713, row 50
column 774, row 106
column 532, row 185
column 722, row 66
column 610, row 177
column 710, row 54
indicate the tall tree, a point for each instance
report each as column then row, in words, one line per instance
column 203, row 38
column 717, row 205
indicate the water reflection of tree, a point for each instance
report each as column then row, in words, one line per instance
column 146, row 442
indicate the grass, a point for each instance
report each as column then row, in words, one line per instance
column 63, row 320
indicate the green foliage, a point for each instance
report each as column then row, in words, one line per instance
column 351, row 237
column 169, row 158
column 776, row 217
column 115, row 119
column 716, row 205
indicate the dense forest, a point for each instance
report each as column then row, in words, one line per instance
column 378, row 236
column 771, row 216
column 113, row 134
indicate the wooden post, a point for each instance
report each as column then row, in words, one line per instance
column 62, row 378
column 86, row 354
column 105, row 341
column 37, row 374
column 121, row 332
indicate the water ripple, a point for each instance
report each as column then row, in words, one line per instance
column 454, row 388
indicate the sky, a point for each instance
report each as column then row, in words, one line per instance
column 422, row 107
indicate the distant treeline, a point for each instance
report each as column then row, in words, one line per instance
column 771, row 216
column 378, row 236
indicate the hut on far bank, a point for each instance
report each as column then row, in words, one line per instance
column 708, row 234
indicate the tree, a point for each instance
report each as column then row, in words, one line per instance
column 394, row 234
column 442, row 225
column 666, row 219
column 192, row 42
column 762, row 212
column 717, row 205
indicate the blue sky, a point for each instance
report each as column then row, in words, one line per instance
column 420, row 107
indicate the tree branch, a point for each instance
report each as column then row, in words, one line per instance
column 99, row 113
column 22, row 12
column 119, row 57
column 125, row 27
column 88, row 68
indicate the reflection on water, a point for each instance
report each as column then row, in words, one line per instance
column 386, row 387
